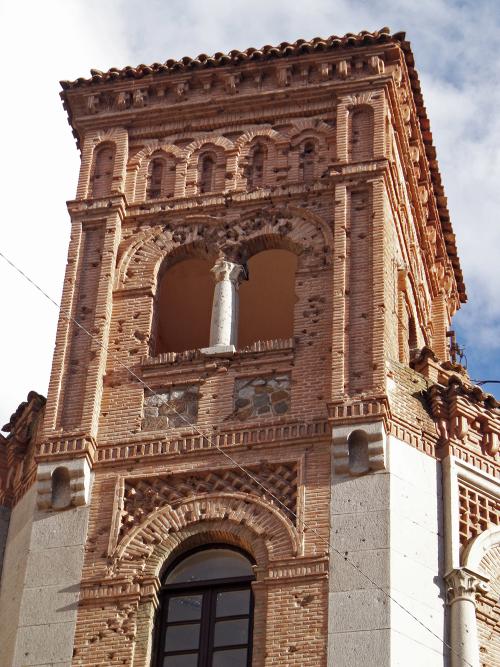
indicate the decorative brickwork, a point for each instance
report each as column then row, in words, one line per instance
column 478, row 512
column 17, row 450
column 145, row 495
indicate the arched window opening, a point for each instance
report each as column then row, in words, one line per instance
column 102, row 178
column 361, row 134
column 161, row 178
column 307, row 160
column 184, row 306
column 61, row 488
column 206, row 173
column 357, row 444
column 155, row 178
column 205, row 614
column 255, row 174
column 267, row 299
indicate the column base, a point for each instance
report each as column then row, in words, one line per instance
column 223, row 350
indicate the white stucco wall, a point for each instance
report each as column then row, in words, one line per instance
column 416, row 557
column 40, row 584
column 389, row 523
column 13, row 574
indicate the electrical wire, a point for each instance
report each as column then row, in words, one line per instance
column 208, row 438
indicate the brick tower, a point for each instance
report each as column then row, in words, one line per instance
column 255, row 448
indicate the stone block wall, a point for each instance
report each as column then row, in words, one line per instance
column 262, row 396
column 171, row 408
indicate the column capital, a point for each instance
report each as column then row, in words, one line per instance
column 463, row 584
column 223, row 269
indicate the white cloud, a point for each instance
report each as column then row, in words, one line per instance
column 44, row 42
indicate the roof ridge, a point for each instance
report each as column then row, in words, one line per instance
column 235, row 56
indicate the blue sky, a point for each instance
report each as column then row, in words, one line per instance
column 457, row 52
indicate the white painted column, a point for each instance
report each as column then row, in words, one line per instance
column 224, row 324
column 462, row 585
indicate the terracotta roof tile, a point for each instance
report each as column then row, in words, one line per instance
column 235, row 56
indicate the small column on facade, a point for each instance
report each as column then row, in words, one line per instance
column 224, row 323
column 462, row 585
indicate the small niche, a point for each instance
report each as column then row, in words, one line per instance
column 357, row 444
column 61, row 491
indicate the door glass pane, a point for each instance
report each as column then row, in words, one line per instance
column 184, row 608
column 233, row 603
column 187, row 660
column 232, row 658
column 229, row 633
column 182, row 637
column 211, row 564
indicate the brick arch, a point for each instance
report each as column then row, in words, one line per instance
column 482, row 555
column 138, row 167
column 242, row 144
column 116, row 136
column 145, row 153
column 308, row 127
column 236, row 518
column 309, row 134
column 146, row 252
column 140, row 259
column 198, row 144
column 223, row 164
column 304, row 225
column 477, row 550
column 266, row 241
column 113, row 135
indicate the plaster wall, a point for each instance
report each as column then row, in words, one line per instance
column 14, row 573
column 389, row 525
column 4, row 529
column 40, row 584
column 416, row 557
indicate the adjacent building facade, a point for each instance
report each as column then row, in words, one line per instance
column 255, row 448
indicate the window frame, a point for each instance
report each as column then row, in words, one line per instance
column 209, row 590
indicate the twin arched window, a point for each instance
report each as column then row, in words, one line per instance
column 185, row 294
column 205, row 613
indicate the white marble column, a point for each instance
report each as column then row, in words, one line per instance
column 462, row 585
column 224, row 324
